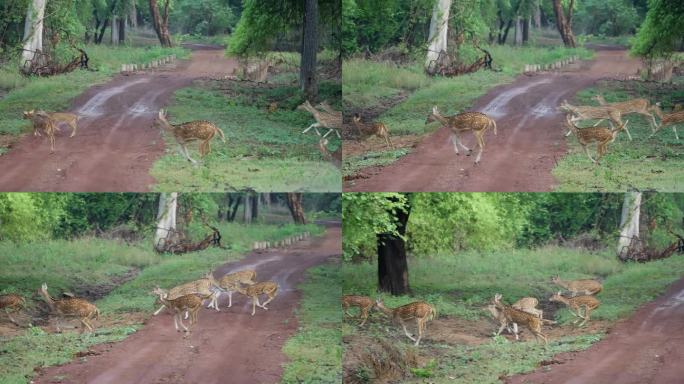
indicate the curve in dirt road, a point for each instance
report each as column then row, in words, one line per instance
column 530, row 138
column 116, row 144
column 647, row 348
column 229, row 346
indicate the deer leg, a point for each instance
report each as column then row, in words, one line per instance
column 480, row 144
column 230, row 299
column 674, row 129
column 420, row 324
column 73, row 129
column 345, row 309
column 406, row 332
column 270, row 298
column 629, row 135
column 389, row 141
column 175, row 321
column 180, row 320
column 364, row 316
column 501, row 328
column 454, row 141
column 159, row 310
column 255, row 302
column 586, row 150
column 458, row 142
column 314, row 126
column 515, row 331
column 330, row 130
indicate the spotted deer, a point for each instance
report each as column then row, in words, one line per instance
column 364, row 303
column 185, row 133
column 70, row 119
column 576, row 304
column 71, row 307
column 421, row 311
column 331, row 121
column 333, row 157
column 602, row 136
column 638, row 106
column 229, row 282
column 202, row 288
column 529, row 305
column 667, row 119
column 12, row 303
column 41, row 120
column 377, row 128
column 190, row 303
column 476, row 122
column 268, row 288
column 520, row 317
column 578, row 287
column 613, row 115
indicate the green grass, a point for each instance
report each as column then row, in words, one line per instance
column 645, row 163
column 264, row 152
column 56, row 93
column 315, row 352
column 461, row 285
column 353, row 164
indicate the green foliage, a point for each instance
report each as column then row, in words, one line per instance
column 30, row 216
column 662, row 31
column 205, row 18
column 611, row 17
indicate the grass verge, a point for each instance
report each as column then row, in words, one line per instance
column 263, row 151
column 644, row 163
column 315, row 352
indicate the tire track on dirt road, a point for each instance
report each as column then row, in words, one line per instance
column 115, row 145
column 229, row 346
column 530, row 138
column 647, row 348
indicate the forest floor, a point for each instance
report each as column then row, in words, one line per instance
column 529, row 144
column 459, row 345
column 116, row 145
column 226, row 344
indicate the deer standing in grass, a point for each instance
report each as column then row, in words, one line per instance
column 421, row 311
column 202, row 288
column 71, row 307
column 191, row 131
column 639, row 106
column 377, row 128
column 268, row 288
column 613, row 115
column 578, row 287
column 576, row 304
column 364, row 303
column 667, row 119
column 12, row 303
column 602, row 136
column 519, row 317
column 229, row 283
column 476, row 122
column 331, row 121
column 188, row 303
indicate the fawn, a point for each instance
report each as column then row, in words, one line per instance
column 639, row 106
column 517, row 316
column 589, row 303
column 187, row 132
column 334, row 157
column 12, row 303
column 476, row 122
column 579, row 287
column 364, row 303
column 419, row 310
column 613, row 115
column 202, row 287
column 268, row 288
column 228, row 282
column 377, row 128
column 672, row 118
column 71, row 307
column 188, row 303
column 331, row 121
column 602, row 136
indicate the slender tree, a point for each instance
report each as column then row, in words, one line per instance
column 33, row 34
column 160, row 22
column 564, row 21
column 166, row 219
column 439, row 30
column 307, row 75
column 629, row 223
column 294, row 204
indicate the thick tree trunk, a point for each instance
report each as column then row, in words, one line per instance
column 629, row 223
column 114, row 31
column 439, row 30
column 166, row 219
column 526, row 30
column 307, row 74
column 518, row 39
column 123, row 22
column 33, row 33
column 294, row 204
column 160, row 22
column 133, row 16
column 392, row 263
column 564, row 22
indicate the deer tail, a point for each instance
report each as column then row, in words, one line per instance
column 220, row 131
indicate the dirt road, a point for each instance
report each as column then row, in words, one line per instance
column 116, row 144
column 647, row 348
column 529, row 142
column 229, row 346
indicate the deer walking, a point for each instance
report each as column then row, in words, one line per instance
column 188, row 303
column 613, row 115
column 364, row 303
column 517, row 316
column 576, row 304
column 421, row 311
column 377, row 128
column 71, row 307
column 185, row 133
column 667, row 119
column 638, row 106
column 579, row 287
column 602, row 136
column 476, row 122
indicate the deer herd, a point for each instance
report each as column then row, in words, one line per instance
column 183, row 299
column 581, row 301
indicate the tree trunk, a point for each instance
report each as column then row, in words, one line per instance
column 294, row 204
column 247, row 213
column 526, row 30
column 114, row 31
column 234, row 208
column 166, row 219
column 392, row 263
column 518, row 39
column 564, row 22
column 160, row 22
column 33, row 34
column 537, row 17
column 123, row 22
column 307, row 74
column 255, row 206
column 133, row 16
column 505, row 35
column 439, row 30
column 100, row 36
column 629, row 223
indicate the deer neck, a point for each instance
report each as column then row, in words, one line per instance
column 386, row 310
column 440, row 118
column 48, row 299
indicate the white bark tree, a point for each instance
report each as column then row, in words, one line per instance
column 166, row 219
column 439, row 30
column 33, row 32
column 115, row 30
column 629, row 222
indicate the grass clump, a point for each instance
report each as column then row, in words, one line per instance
column 315, row 352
